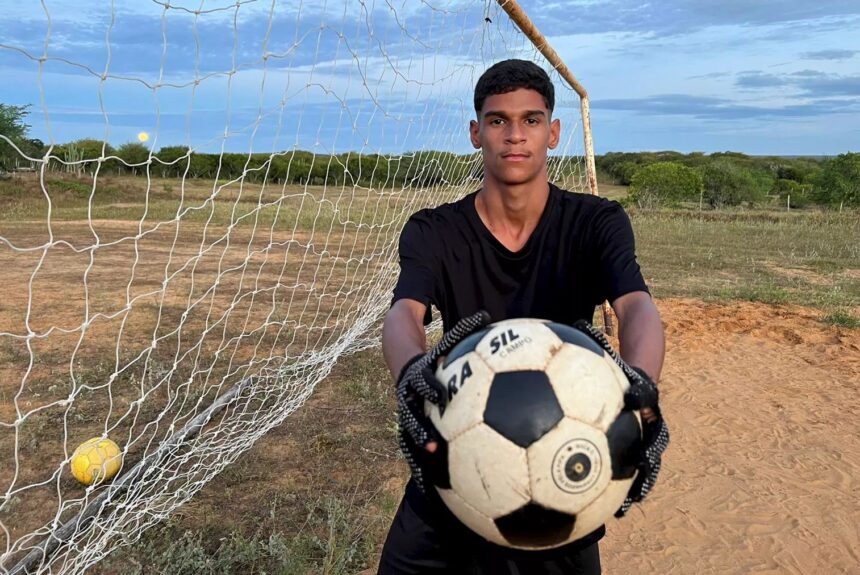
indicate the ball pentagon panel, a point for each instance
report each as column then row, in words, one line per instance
column 625, row 444
column 522, row 406
column 534, row 526
column 573, row 336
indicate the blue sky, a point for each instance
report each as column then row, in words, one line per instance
column 756, row 76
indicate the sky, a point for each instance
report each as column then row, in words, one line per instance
column 761, row 77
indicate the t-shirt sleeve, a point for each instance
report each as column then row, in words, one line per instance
column 615, row 249
column 418, row 263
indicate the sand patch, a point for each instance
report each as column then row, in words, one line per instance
column 762, row 474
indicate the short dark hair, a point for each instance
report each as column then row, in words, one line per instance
column 509, row 75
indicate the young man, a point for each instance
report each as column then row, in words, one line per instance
column 519, row 247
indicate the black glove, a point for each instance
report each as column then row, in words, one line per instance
column 417, row 383
column 642, row 393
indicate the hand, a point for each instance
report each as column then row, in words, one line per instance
column 642, row 396
column 417, row 383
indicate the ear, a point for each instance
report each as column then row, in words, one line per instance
column 554, row 133
column 474, row 134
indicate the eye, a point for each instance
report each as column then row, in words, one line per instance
column 532, row 121
column 496, row 122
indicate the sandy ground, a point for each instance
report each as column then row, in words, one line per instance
column 763, row 473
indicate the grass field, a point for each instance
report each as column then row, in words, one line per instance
column 316, row 494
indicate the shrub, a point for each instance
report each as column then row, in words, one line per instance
column 727, row 184
column 799, row 195
column 664, row 184
column 838, row 184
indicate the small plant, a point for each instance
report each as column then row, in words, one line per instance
column 335, row 539
column 842, row 318
column 78, row 188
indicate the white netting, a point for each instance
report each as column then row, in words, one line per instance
column 236, row 254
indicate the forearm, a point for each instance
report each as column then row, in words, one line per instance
column 641, row 333
column 402, row 338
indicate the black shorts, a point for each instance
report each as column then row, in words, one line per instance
column 425, row 538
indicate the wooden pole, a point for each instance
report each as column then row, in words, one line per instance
column 527, row 27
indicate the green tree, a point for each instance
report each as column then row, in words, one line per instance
column 35, row 148
column 133, row 153
column 729, row 184
column 623, row 172
column 12, row 126
column 203, row 165
column 172, row 161
column 664, row 184
column 838, row 184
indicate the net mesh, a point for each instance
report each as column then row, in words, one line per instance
column 183, row 295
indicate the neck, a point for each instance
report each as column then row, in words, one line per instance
column 511, row 213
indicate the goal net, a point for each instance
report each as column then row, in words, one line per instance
column 206, row 223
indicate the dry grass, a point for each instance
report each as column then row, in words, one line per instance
column 307, row 255
column 86, row 299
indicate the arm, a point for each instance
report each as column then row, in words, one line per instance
column 403, row 334
column 621, row 282
column 641, row 332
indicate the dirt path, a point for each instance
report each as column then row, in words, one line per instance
column 763, row 474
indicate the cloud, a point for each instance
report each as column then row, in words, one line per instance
column 810, row 83
column 678, row 17
column 809, row 74
column 830, row 86
column 129, row 41
column 829, row 54
column 721, row 109
column 754, row 80
column 710, row 76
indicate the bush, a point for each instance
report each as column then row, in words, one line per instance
column 80, row 189
column 799, row 195
column 838, row 184
column 727, row 184
column 664, row 184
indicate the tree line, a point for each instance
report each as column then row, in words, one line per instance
column 655, row 179
column 670, row 179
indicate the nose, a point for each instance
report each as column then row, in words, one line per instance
column 515, row 133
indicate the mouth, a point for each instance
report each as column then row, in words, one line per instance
column 515, row 157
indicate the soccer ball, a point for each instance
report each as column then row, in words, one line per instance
column 96, row 460
column 539, row 449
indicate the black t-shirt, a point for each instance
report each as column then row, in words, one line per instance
column 580, row 254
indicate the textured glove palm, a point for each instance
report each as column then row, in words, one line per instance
column 642, row 393
column 417, row 383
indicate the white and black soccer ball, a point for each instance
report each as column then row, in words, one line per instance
column 540, row 451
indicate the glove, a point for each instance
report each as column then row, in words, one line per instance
column 642, row 393
column 417, row 383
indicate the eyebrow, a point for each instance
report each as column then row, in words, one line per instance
column 504, row 115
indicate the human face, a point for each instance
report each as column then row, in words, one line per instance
column 514, row 132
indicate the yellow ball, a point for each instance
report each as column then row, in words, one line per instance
column 143, row 136
column 96, row 460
